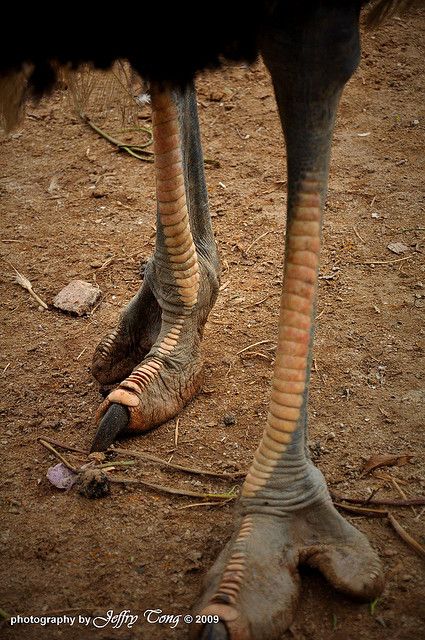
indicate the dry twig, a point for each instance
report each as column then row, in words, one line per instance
column 384, row 261
column 176, row 433
column 420, row 514
column 149, row 457
column 177, row 467
column 204, row 504
column 401, row 493
column 231, row 495
column 26, row 284
column 358, row 234
column 65, row 447
column 133, row 150
column 406, row 502
column 250, row 346
column 256, row 241
column 58, row 455
column 413, row 544
column 254, row 304
column 362, row 511
column 116, row 463
column 329, row 277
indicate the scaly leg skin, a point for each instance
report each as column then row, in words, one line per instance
column 286, row 516
column 157, row 342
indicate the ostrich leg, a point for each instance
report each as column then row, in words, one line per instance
column 286, row 516
column 157, row 342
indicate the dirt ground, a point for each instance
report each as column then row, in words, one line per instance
column 75, row 207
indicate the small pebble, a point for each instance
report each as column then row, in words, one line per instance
column 229, row 419
column 61, row 477
column 93, row 483
column 78, row 297
column 97, row 456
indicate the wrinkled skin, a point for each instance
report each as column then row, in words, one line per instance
column 285, row 515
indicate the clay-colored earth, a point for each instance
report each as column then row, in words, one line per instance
column 74, row 207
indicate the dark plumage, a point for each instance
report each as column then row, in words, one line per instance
column 165, row 42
